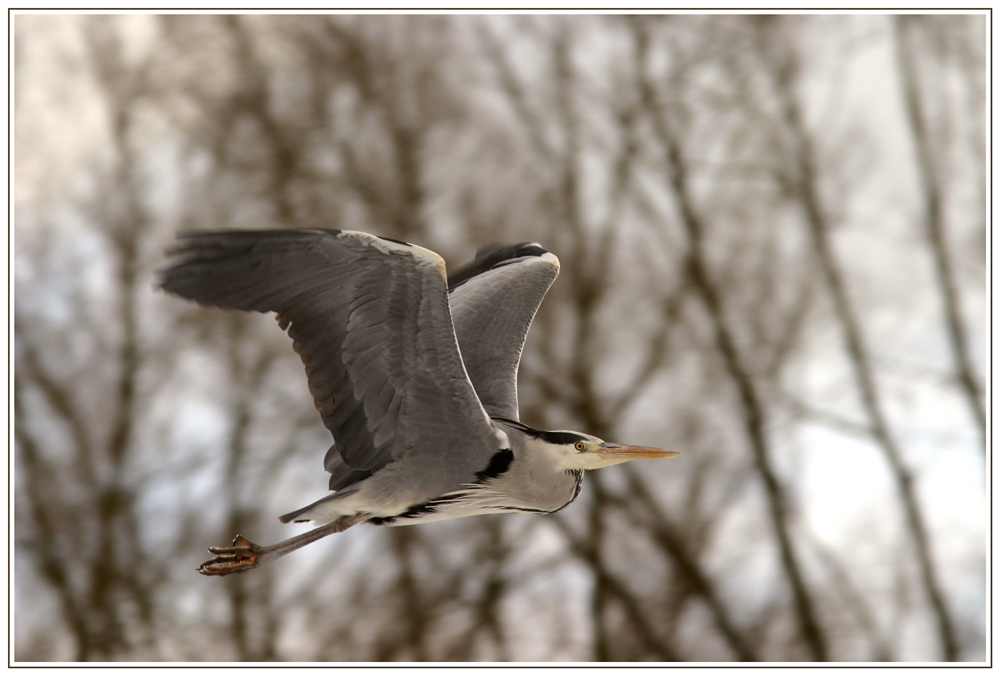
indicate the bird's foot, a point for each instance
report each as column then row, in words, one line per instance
column 241, row 557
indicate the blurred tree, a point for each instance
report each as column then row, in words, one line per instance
column 691, row 177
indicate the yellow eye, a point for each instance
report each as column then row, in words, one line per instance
column 580, row 446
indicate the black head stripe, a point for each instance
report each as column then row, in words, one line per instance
column 566, row 438
column 518, row 425
column 550, row 437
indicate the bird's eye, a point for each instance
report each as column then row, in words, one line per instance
column 579, row 446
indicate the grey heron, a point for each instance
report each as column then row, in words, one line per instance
column 414, row 374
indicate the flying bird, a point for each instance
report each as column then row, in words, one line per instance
column 413, row 372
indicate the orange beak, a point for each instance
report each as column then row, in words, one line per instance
column 622, row 452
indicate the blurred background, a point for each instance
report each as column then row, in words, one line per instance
column 773, row 244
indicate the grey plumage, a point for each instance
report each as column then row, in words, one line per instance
column 421, row 430
column 491, row 329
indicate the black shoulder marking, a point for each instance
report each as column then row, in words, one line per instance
column 397, row 241
column 492, row 256
column 499, row 463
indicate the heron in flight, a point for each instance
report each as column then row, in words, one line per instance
column 413, row 372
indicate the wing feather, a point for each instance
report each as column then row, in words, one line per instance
column 371, row 321
column 493, row 302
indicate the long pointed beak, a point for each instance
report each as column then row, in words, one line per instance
column 621, row 452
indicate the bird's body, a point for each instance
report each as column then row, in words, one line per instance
column 530, row 479
column 413, row 373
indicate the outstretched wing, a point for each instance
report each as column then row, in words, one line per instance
column 370, row 319
column 493, row 300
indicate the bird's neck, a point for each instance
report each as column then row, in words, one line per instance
column 536, row 478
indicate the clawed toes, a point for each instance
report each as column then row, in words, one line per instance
column 239, row 558
column 226, row 565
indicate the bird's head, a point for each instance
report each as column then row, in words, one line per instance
column 575, row 450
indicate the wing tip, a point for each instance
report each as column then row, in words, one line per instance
column 492, row 256
column 551, row 258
